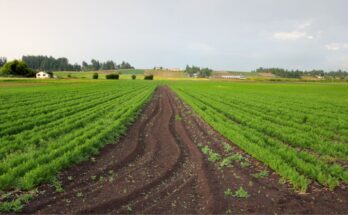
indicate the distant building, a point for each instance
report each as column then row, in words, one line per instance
column 43, row 75
column 174, row 69
column 233, row 77
column 195, row 75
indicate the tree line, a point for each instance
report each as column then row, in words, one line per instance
column 197, row 71
column 46, row 63
column 108, row 65
column 284, row 73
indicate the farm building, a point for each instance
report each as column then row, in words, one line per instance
column 42, row 75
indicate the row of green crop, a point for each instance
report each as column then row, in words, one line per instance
column 294, row 148
column 287, row 134
column 55, row 128
column 65, row 131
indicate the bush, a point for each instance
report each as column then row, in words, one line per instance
column 134, row 77
column 95, row 76
column 17, row 68
column 148, row 77
column 112, row 76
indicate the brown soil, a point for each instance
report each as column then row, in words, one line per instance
column 158, row 168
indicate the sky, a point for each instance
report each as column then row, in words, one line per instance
column 238, row 35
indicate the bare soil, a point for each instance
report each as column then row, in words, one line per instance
column 158, row 168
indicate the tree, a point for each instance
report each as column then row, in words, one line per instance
column 49, row 63
column 17, row 68
column 95, row 64
column 204, row 72
column 125, row 65
column 3, row 60
column 108, row 65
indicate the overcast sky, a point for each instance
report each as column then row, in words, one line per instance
column 220, row 34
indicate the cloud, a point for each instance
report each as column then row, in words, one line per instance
column 299, row 32
column 305, row 24
column 336, row 46
column 293, row 35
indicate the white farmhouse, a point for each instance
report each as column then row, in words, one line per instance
column 42, row 75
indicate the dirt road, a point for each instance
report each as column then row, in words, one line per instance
column 158, row 168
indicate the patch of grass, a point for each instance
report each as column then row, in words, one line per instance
column 57, row 185
column 261, row 174
column 227, row 147
column 178, row 117
column 16, row 205
column 228, row 192
column 245, row 164
column 241, row 193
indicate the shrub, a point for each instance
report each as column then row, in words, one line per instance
column 95, row 76
column 134, row 77
column 112, row 76
column 17, row 68
column 148, row 77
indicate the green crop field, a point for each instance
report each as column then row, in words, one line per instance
column 299, row 130
column 46, row 126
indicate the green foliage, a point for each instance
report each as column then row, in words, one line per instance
column 57, row 184
column 95, row 75
column 34, row 143
column 228, row 192
column 178, row 117
column 134, row 77
column 15, row 205
column 16, row 68
column 297, row 73
column 50, row 63
column 297, row 130
column 261, row 174
column 200, row 72
column 212, row 156
column 241, row 193
column 125, row 65
column 3, row 60
column 148, row 77
column 244, row 164
column 112, row 76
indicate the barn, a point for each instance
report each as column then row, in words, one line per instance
column 42, row 75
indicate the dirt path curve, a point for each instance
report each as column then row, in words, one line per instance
column 158, row 168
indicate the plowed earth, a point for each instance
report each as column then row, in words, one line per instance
column 158, row 168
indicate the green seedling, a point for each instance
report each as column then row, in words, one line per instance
column 261, row 174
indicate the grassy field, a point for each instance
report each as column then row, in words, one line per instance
column 299, row 130
column 125, row 74
column 49, row 125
